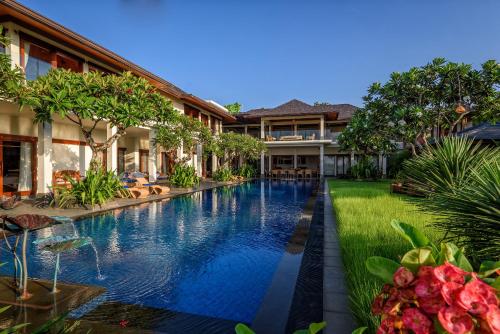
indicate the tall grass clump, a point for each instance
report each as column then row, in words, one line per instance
column 184, row 176
column 223, row 174
column 364, row 211
column 460, row 181
column 98, row 187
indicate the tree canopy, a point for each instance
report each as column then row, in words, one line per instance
column 233, row 108
column 411, row 104
column 228, row 145
column 11, row 79
column 88, row 99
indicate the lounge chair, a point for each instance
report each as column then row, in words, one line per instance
column 136, row 192
column 275, row 173
column 154, row 188
column 307, row 173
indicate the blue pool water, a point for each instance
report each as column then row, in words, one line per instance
column 212, row 253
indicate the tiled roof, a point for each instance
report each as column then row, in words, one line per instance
column 484, row 131
column 298, row 108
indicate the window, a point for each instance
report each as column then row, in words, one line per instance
column 143, row 161
column 37, row 60
column 121, row 159
column 68, row 63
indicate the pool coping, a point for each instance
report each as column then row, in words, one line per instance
column 336, row 310
column 274, row 311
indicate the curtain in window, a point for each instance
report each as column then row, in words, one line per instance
column 27, row 47
column 25, row 177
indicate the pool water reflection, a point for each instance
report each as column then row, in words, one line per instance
column 212, row 253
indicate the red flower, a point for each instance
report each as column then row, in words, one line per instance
column 129, row 91
column 403, row 277
column 493, row 318
column 450, row 273
column 123, row 323
column 407, row 295
column 427, row 286
column 416, row 321
column 389, row 325
column 476, row 296
column 431, row 305
column 378, row 304
column 449, row 292
column 455, row 320
column 425, row 271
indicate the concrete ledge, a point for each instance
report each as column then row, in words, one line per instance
column 335, row 298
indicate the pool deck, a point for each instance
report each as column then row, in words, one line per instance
column 27, row 206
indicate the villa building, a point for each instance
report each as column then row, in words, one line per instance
column 30, row 153
column 301, row 136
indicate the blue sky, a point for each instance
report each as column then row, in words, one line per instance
column 265, row 52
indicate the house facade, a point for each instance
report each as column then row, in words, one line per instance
column 301, row 136
column 30, row 153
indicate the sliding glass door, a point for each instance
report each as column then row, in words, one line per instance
column 17, row 165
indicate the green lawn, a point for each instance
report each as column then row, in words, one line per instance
column 364, row 211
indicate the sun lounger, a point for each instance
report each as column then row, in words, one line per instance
column 137, row 192
column 154, row 188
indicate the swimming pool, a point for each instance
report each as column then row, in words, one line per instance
column 212, row 253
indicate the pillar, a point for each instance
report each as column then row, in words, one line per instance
column 352, row 159
column 44, row 158
column 322, row 128
column 246, row 129
column 384, row 165
column 13, row 48
column 270, row 162
column 262, row 164
column 153, row 156
column 295, row 159
column 199, row 160
column 136, row 155
column 295, row 127
column 112, row 151
column 321, row 160
column 262, row 129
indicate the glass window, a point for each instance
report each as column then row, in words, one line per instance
column 68, row 63
column 37, row 61
column 121, row 159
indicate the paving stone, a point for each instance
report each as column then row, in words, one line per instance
column 339, row 323
column 336, row 302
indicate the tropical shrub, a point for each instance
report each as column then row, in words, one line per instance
column 395, row 162
column 364, row 169
column 313, row 328
column 435, row 290
column 223, row 174
column 98, row 187
column 461, row 181
column 184, row 176
column 247, row 171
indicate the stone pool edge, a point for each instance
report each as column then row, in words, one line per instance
column 336, row 310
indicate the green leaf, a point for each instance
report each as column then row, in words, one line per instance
column 316, row 327
column 488, row 268
column 462, row 262
column 382, row 268
column 410, row 233
column 496, row 283
column 359, row 330
column 418, row 257
column 243, row 329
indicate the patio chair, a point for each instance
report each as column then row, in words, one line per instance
column 307, row 173
column 154, row 188
column 291, row 173
column 60, row 178
column 275, row 173
column 300, row 173
column 136, row 192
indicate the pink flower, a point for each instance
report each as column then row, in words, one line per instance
column 389, row 325
column 427, row 287
column 493, row 318
column 455, row 320
column 416, row 321
column 431, row 305
column 449, row 292
column 425, row 271
column 403, row 277
column 449, row 273
column 476, row 296
column 378, row 304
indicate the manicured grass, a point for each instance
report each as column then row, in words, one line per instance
column 364, row 211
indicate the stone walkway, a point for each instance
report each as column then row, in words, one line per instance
column 335, row 298
column 28, row 205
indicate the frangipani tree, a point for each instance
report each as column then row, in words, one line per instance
column 410, row 105
column 90, row 99
column 11, row 79
column 229, row 145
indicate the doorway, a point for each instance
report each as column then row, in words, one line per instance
column 17, row 165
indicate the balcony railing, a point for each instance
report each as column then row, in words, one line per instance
column 289, row 135
column 332, row 135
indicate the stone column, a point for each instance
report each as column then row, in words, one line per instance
column 352, row 159
column 153, row 156
column 137, row 146
column 44, row 158
column 199, row 160
column 321, row 160
column 262, row 164
column 246, row 129
column 13, row 48
column 322, row 127
column 112, row 151
column 262, row 129
column 384, row 165
column 295, row 159
column 270, row 162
